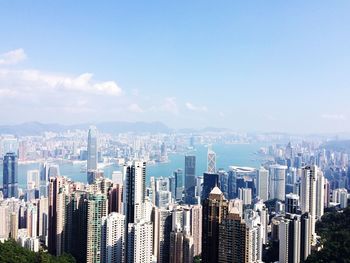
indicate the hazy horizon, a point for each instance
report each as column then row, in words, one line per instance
column 257, row 66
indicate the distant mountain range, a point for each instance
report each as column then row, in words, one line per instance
column 37, row 128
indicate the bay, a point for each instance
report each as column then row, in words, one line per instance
column 226, row 155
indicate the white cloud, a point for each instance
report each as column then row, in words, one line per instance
column 12, row 57
column 336, row 117
column 37, row 81
column 170, row 105
column 134, row 107
column 192, row 107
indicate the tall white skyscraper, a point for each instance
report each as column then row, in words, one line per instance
column 135, row 189
column 277, row 181
column 263, row 184
column 308, row 195
column 319, row 195
column 113, row 238
column 92, row 150
column 140, row 237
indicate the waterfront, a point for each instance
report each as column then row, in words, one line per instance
column 226, row 155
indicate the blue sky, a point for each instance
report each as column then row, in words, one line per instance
column 256, row 66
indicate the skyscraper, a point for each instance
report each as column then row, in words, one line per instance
column 263, row 184
column 97, row 208
column 10, row 175
column 179, row 183
column 211, row 161
column 56, row 215
column 210, row 181
column 232, row 239
column 92, row 150
column 113, row 238
column 215, row 209
column 190, row 179
column 308, row 194
column 140, row 243
column 277, row 182
column 135, row 190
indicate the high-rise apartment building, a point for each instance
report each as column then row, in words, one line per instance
column 113, row 238
column 96, row 209
column 140, row 243
column 134, row 191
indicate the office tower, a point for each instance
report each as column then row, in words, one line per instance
column 44, row 180
column 223, row 182
column 57, row 193
column 190, row 179
column 139, row 243
column 179, row 184
column 215, row 209
column 134, row 191
column 92, row 151
column 113, row 238
column 232, row 243
column 308, row 194
column 199, row 188
column 96, row 209
column 196, row 229
column 292, row 204
column 34, row 177
column 163, row 199
column 162, row 184
column 263, row 184
column 319, row 195
column 10, row 175
column 9, row 144
column 245, row 194
column 94, row 175
column 211, row 161
column 115, row 199
column 232, row 184
column 277, row 182
column 210, row 181
column 172, row 186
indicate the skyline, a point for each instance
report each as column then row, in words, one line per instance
column 244, row 66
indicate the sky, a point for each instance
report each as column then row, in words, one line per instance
column 246, row 65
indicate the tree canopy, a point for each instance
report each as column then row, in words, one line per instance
column 334, row 229
column 11, row 252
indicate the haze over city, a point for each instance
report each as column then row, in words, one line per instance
column 257, row 66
